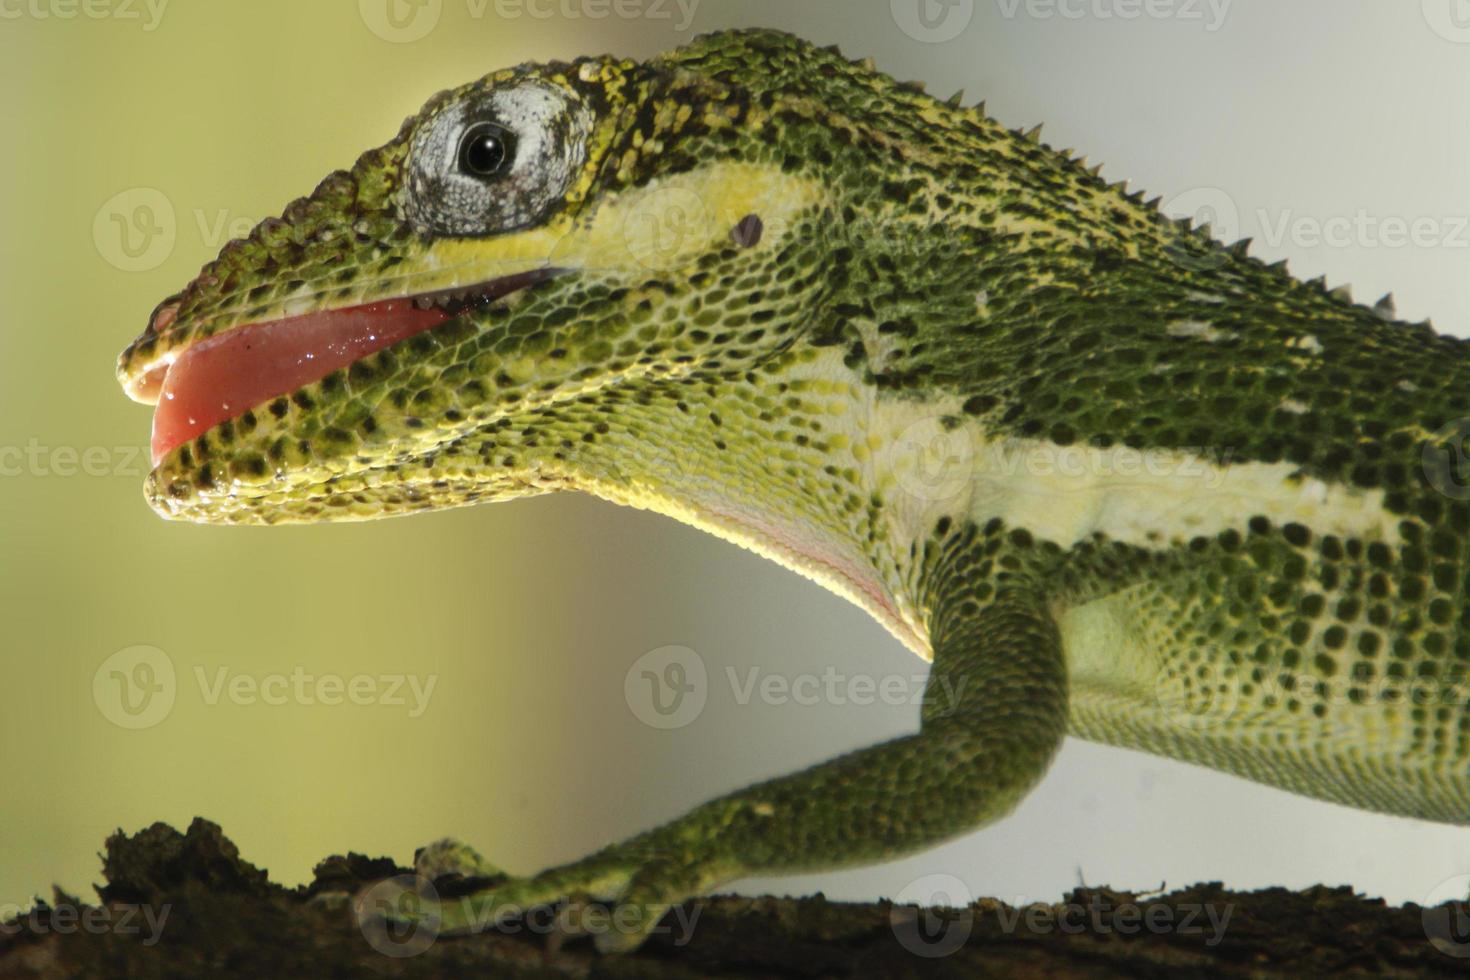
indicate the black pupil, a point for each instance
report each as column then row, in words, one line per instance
column 483, row 150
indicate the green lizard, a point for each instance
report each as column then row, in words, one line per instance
column 1114, row 478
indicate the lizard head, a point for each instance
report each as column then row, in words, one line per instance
column 530, row 248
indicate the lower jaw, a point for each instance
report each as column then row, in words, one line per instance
column 214, row 491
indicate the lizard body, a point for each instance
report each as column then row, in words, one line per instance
column 1113, row 477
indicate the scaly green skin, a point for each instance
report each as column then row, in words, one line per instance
column 1278, row 592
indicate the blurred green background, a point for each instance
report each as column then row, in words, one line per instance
column 139, row 140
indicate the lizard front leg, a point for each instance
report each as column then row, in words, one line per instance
column 994, row 714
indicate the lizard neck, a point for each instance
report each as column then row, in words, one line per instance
column 791, row 470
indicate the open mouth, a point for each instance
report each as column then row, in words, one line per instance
column 225, row 375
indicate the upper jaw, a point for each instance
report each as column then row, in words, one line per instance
column 207, row 377
column 141, row 374
column 144, row 363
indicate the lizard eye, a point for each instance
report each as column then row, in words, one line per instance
column 494, row 160
column 483, row 150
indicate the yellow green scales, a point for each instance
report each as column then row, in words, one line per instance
column 850, row 308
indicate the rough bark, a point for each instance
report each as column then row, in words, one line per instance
column 226, row 919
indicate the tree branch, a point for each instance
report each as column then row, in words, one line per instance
column 185, row 905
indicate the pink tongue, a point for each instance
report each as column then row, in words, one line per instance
column 229, row 373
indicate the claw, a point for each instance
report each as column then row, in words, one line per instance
column 448, row 856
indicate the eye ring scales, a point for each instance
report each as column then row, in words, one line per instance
column 494, row 160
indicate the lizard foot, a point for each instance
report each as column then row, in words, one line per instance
column 618, row 896
column 450, row 858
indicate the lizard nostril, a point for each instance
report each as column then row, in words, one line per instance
column 747, row 233
column 163, row 316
